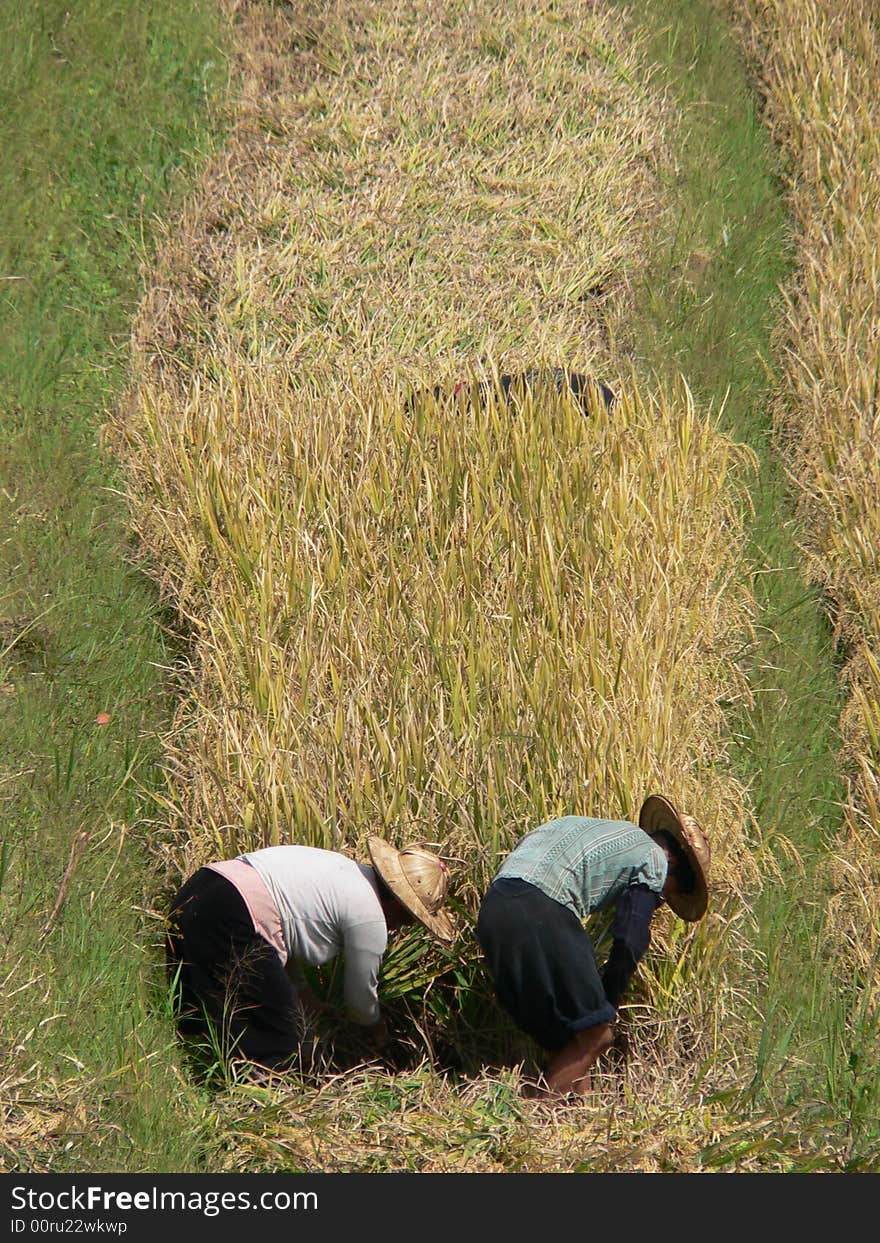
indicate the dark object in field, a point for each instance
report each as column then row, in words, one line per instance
column 514, row 388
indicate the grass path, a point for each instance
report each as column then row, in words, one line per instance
column 708, row 310
column 102, row 106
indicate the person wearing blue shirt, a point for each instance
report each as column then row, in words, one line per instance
column 538, row 953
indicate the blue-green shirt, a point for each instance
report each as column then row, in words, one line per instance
column 587, row 864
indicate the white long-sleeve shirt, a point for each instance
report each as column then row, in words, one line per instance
column 329, row 904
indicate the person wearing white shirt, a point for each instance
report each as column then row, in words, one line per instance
column 240, row 930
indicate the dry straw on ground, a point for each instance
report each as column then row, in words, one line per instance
column 820, row 61
column 635, row 1120
column 438, row 620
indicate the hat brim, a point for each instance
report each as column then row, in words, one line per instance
column 385, row 858
column 659, row 816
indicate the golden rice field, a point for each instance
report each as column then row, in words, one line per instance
column 437, row 619
column 398, row 608
column 819, row 61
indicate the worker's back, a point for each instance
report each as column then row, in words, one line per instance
column 586, row 864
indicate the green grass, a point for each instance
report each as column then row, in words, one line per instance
column 105, row 109
column 707, row 309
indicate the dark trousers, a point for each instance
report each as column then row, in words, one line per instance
column 542, row 963
column 232, row 987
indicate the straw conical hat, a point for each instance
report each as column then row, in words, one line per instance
column 419, row 879
column 659, row 816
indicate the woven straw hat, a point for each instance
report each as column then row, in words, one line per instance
column 419, row 879
column 659, row 816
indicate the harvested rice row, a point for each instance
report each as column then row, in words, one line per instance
column 439, row 620
column 820, row 62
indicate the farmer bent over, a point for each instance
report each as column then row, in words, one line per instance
column 541, row 959
column 238, row 931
